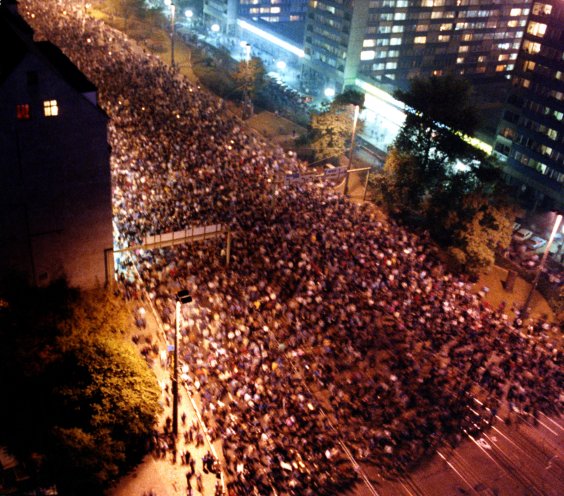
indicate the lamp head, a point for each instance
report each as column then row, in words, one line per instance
column 183, row 296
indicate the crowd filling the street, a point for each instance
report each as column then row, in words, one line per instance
column 331, row 326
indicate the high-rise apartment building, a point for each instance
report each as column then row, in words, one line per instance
column 391, row 41
column 273, row 10
column 226, row 12
column 530, row 137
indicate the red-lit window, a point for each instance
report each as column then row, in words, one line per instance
column 22, row 111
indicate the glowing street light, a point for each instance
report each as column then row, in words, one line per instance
column 189, row 14
column 329, row 92
column 281, row 65
column 215, row 28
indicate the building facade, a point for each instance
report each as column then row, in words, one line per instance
column 391, row 41
column 226, row 12
column 530, row 139
column 55, row 185
column 273, row 11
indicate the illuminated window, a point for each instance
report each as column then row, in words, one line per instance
column 445, row 27
column 368, row 43
column 467, row 37
column 512, row 24
column 542, row 9
column 515, row 12
column 481, row 59
column 422, row 27
column 437, row 72
column 531, row 47
column 50, row 108
column 420, row 40
column 391, row 65
column 22, row 111
column 444, row 37
column 525, row 83
column 275, row 10
column 395, row 41
column 536, row 29
column 460, row 60
column 529, row 65
column 500, row 68
column 399, row 16
column 463, row 49
column 367, row 55
column 502, row 57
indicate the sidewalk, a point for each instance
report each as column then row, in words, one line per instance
column 162, row 475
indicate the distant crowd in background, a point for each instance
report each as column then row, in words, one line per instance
column 330, row 327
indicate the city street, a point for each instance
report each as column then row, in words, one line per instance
column 326, row 348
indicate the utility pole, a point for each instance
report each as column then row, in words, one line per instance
column 356, row 112
column 181, row 297
column 170, row 4
column 557, row 222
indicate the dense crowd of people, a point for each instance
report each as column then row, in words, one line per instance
column 331, row 326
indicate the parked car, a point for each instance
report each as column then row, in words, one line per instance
column 522, row 235
column 516, row 226
column 536, row 242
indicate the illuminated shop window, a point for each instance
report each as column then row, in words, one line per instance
column 50, row 108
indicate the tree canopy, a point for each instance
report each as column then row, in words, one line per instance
column 439, row 111
column 331, row 129
column 250, row 75
column 82, row 399
column 433, row 175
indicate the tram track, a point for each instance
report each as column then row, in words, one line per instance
column 455, row 462
column 507, row 465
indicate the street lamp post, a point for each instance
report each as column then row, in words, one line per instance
column 181, row 297
column 557, row 222
column 246, row 96
column 356, row 112
column 172, row 22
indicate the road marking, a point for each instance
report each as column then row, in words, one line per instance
column 457, row 472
